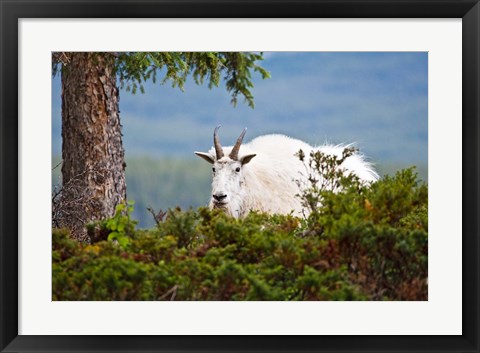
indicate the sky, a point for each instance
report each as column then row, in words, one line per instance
column 377, row 100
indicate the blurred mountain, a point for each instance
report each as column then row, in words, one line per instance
column 378, row 100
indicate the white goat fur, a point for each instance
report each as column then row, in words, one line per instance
column 268, row 180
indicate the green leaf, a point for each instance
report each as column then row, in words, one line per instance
column 123, row 241
column 112, row 224
column 112, row 236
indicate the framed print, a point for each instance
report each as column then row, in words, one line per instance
column 356, row 262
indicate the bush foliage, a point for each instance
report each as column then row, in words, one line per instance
column 360, row 243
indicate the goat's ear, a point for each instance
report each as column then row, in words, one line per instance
column 207, row 156
column 245, row 159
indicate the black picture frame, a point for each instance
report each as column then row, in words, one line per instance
column 12, row 11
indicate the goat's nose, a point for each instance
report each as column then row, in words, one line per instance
column 219, row 196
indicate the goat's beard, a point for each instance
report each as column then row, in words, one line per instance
column 220, row 206
column 230, row 208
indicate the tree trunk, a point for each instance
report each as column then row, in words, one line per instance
column 93, row 169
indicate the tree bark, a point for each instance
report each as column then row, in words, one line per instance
column 93, row 169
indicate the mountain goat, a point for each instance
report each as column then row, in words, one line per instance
column 262, row 177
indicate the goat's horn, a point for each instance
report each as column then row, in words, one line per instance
column 234, row 154
column 216, row 142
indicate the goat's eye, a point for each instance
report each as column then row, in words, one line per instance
column 213, row 170
column 238, row 169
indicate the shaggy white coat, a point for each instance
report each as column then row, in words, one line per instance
column 268, row 182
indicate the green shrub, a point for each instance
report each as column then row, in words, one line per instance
column 364, row 242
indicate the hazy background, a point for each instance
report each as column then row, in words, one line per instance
column 377, row 100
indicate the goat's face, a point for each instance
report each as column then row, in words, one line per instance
column 228, row 180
